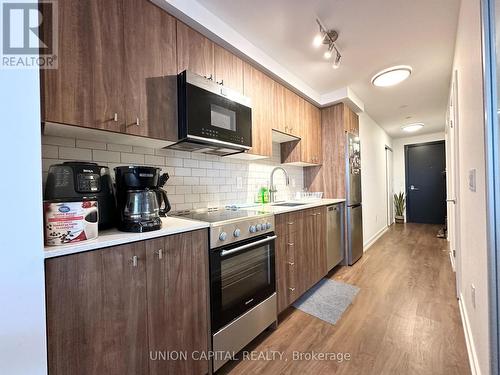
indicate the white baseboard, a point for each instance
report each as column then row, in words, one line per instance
column 452, row 261
column 374, row 238
column 469, row 340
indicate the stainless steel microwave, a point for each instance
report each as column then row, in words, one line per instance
column 213, row 119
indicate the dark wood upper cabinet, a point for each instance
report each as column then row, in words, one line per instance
column 259, row 88
column 96, row 312
column 150, row 70
column 87, row 88
column 228, row 69
column 330, row 177
column 194, row 52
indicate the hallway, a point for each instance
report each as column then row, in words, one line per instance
column 405, row 319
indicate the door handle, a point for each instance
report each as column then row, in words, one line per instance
column 247, row 246
column 413, row 188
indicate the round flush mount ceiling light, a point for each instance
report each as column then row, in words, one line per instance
column 392, row 76
column 412, row 127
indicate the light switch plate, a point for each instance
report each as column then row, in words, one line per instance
column 472, row 180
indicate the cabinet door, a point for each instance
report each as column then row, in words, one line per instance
column 292, row 113
column 178, row 300
column 258, row 86
column 87, row 88
column 320, row 266
column 194, row 52
column 351, row 120
column 279, row 107
column 228, row 69
column 150, row 70
column 314, row 143
column 96, row 312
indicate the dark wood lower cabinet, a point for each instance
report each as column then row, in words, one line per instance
column 108, row 309
column 300, row 253
column 177, row 301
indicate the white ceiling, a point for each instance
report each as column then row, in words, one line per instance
column 373, row 35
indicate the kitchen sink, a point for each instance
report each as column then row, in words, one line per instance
column 288, row 204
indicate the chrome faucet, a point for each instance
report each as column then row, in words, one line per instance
column 272, row 188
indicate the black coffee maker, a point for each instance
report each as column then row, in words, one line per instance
column 140, row 198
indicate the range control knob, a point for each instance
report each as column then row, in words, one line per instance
column 268, row 225
column 252, row 229
column 258, row 227
column 237, row 232
column 222, row 236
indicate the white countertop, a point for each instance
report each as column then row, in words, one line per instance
column 113, row 237
column 272, row 208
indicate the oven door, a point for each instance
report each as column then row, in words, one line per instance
column 213, row 112
column 241, row 276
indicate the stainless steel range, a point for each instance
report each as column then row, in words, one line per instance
column 242, row 277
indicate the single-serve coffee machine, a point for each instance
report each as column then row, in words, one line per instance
column 140, row 198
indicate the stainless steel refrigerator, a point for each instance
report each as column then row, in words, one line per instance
column 354, row 208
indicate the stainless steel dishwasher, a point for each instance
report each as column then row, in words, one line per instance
column 334, row 235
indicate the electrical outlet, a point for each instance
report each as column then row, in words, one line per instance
column 472, row 180
column 239, row 182
column 473, row 295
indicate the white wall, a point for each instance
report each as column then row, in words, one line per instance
column 373, row 177
column 399, row 155
column 472, row 205
column 22, row 296
column 196, row 180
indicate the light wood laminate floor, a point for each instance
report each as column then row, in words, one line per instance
column 405, row 319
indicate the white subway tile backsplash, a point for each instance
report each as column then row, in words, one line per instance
column 198, row 172
column 190, row 163
column 192, row 198
column 154, row 160
column 58, row 141
column 50, row 152
column 143, row 150
column 120, row 148
column 129, row 158
column 183, row 189
column 196, row 180
column 89, row 144
column 106, row 156
column 72, row 153
column 192, row 181
column 174, row 162
column 182, row 171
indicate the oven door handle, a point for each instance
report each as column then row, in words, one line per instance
column 244, row 247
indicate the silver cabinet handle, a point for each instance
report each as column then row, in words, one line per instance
column 135, row 258
column 137, row 121
column 291, row 243
column 291, row 263
column 319, row 214
column 413, row 188
column 209, row 77
column 247, row 246
column 291, row 222
column 292, row 289
column 221, row 82
column 115, row 117
column 160, row 253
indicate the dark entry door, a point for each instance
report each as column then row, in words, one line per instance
column 425, row 183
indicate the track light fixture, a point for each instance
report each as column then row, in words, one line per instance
column 328, row 37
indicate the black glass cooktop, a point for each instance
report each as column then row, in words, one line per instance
column 217, row 215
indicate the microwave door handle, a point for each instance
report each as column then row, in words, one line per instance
column 247, row 246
